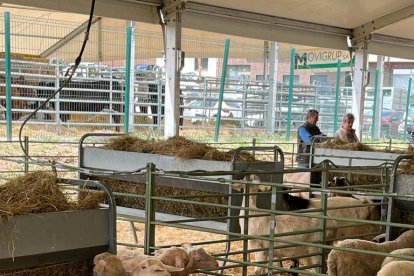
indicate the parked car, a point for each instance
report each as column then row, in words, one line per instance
column 410, row 122
column 201, row 110
column 390, row 120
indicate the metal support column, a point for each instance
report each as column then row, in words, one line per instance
column 358, row 95
column 273, row 72
column 131, row 124
column 379, row 101
column 407, row 107
column 375, row 121
column 338, row 84
column 173, row 64
column 290, row 97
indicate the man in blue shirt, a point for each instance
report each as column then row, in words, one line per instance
column 306, row 133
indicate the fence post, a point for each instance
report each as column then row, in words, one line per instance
column 338, row 82
column 26, row 156
column 149, row 240
column 222, row 83
column 127, row 79
column 290, row 97
column 407, row 107
column 7, row 80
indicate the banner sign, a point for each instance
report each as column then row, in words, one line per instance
column 323, row 59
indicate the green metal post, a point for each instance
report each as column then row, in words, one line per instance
column 374, row 106
column 222, row 83
column 323, row 222
column 127, row 79
column 7, row 58
column 291, row 78
column 407, row 107
column 338, row 83
column 149, row 240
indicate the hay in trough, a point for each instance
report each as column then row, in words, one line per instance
column 165, row 206
column 39, row 192
column 408, row 167
column 75, row 268
column 176, row 146
column 337, row 143
column 179, row 147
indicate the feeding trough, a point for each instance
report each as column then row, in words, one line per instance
column 93, row 158
column 37, row 240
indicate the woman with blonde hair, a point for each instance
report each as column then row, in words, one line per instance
column 346, row 133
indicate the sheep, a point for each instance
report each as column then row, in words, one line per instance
column 259, row 226
column 343, row 263
column 174, row 256
column 400, row 268
column 153, row 267
column 107, row 264
column 339, row 182
column 403, row 251
column 199, row 259
column 288, row 223
column 187, row 257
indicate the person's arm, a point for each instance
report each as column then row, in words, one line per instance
column 305, row 135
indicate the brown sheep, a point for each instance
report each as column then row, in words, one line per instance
column 346, row 263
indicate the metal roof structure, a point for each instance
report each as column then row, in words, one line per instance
column 383, row 25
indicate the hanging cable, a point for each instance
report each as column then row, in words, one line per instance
column 72, row 70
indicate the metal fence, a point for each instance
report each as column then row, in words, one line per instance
column 41, row 55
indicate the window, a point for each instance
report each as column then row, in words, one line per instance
column 241, row 72
column 261, row 77
column 348, row 79
column 286, row 79
column 203, row 61
column 319, row 80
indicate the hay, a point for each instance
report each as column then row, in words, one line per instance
column 408, row 167
column 176, row 146
column 38, row 192
column 75, row 268
column 336, row 143
column 164, row 206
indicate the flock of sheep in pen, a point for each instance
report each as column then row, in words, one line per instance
column 187, row 259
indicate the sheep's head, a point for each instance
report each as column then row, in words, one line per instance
column 200, row 258
column 338, row 181
column 174, row 256
column 107, row 264
column 255, row 179
column 153, row 267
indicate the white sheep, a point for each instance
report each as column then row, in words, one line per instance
column 397, row 268
column 346, row 263
column 153, row 267
column 289, row 223
column 107, row 264
column 402, row 251
column 199, row 259
column 189, row 258
column 259, row 226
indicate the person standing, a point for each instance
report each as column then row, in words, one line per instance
column 306, row 133
column 346, row 133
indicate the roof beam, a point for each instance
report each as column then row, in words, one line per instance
column 68, row 38
column 264, row 19
column 142, row 11
column 391, row 46
column 362, row 32
column 258, row 26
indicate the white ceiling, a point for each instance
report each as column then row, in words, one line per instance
column 318, row 23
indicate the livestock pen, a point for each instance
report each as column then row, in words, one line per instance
column 209, row 229
column 330, row 222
